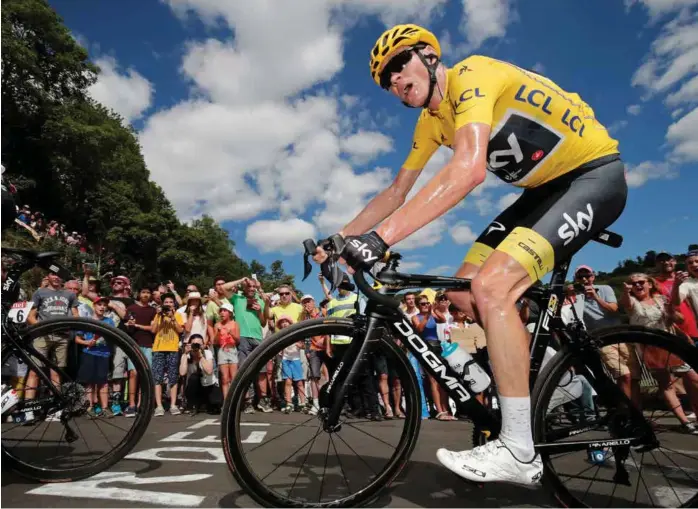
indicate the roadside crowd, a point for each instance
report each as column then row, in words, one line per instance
column 195, row 342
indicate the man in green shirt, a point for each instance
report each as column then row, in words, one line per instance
column 251, row 314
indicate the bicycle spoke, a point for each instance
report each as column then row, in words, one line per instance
column 639, row 473
column 303, row 464
column 279, row 436
column 324, row 471
column 293, row 453
column 372, row 436
column 666, row 477
column 694, row 458
column 357, row 455
column 341, row 467
column 677, row 465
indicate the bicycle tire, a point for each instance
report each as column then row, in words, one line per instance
column 234, row 404
column 128, row 345
column 563, row 360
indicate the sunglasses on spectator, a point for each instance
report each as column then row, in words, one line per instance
column 423, row 303
column 396, row 64
column 284, row 293
column 582, row 275
column 638, row 283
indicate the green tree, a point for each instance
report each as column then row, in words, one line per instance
column 80, row 165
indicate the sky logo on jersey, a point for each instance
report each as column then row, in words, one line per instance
column 571, row 229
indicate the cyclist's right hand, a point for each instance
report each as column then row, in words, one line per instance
column 320, row 255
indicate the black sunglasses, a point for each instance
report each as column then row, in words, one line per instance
column 284, row 293
column 396, row 64
column 581, row 275
column 638, row 283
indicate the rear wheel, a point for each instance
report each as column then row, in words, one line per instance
column 286, row 459
column 661, row 473
column 47, row 438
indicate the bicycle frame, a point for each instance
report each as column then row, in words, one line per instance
column 549, row 320
column 457, row 389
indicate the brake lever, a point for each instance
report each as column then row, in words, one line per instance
column 309, row 247
column 329, row 268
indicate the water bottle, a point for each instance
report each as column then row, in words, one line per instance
column 464, row 364
column 597, row 456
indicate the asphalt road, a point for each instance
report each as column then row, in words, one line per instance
column 180, row 463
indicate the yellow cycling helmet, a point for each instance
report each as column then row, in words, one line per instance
column 400, row 36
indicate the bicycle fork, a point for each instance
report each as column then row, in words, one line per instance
column 347, row 371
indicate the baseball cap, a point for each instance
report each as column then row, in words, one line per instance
column 583, row 267
column 693, row 252
column 100, row 298
column 664, row 256
column 228, row 306
column 307, row 296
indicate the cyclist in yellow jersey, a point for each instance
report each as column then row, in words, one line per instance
column 529, row 132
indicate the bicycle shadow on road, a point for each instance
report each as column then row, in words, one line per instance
column 421, row 484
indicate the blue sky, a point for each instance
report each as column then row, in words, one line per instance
column 263, row 114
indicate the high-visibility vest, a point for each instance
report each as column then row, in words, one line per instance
column 341, row 308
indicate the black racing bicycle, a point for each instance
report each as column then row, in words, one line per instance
column 62, row 380
column 598, row 448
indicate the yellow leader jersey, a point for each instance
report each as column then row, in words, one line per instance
column 539, row 131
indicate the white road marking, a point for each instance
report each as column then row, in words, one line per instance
column 97, row 487
column 183, row 436
column 216, row 422
column 185, row 454
column 255, row 437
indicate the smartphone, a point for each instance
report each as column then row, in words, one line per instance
column 91, row 266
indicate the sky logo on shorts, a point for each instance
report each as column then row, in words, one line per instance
column 571, row 229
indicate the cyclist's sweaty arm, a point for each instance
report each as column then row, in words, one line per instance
column 463, row 173
column 383, row 204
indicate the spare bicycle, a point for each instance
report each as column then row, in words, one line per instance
column 51, row 431
column 585, row 441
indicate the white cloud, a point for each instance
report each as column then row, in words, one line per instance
column 441, row 270
column 616, row 126
column 365, row 146
column 429, row 235
column 507, row 200
column 408, row 265
column 461, row 233
column 673, row 56
column 539, row 67
column 659, row 7
column 278, row 235
column 638, row 175
column 634, row 109
column 484, row 19
column 346, row 194
column 128, row 93
column 683, row 135
column 262, row 132
column 688, row 93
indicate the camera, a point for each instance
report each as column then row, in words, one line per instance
column 195, row 346
column 165, row 309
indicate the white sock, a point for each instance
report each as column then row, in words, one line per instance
column 516, row 427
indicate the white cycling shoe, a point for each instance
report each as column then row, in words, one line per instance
column 492, row 462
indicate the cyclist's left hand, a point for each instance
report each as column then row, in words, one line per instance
column 361, row 252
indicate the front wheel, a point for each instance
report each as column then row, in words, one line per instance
column 278, row 450
column 51, row 439
column 625, row 459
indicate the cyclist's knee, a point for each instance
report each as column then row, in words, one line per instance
column 492, row 290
